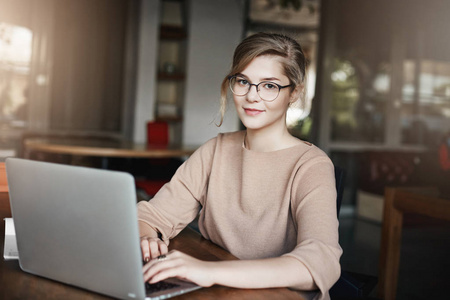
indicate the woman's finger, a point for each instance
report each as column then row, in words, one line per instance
column 154, row 249
column 163, row 249
column 145, row 249
column 156, row 265
column 167, row 271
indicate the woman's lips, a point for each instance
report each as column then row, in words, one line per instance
column 252, row 111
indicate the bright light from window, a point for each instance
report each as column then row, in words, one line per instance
column 15, row 44
column 15, row 58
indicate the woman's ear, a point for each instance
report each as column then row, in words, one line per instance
column 295, row 94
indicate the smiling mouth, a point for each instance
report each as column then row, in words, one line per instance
column 252, row 111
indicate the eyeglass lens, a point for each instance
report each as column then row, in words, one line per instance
column 267, row 90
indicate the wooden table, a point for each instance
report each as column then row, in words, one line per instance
column 16, row 284
column 399, row 201
column 102, row 148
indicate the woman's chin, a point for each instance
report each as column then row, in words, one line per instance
column 252, row 125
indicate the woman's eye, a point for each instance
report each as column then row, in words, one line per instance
column 269, row 86
column 242, row 82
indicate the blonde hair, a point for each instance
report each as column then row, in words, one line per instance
column 291, row 55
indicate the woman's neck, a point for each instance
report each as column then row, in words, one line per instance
column 269, row 140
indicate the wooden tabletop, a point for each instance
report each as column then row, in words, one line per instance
column 16, row 284
column 103, row 148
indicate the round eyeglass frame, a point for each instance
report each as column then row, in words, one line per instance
column 280, row 87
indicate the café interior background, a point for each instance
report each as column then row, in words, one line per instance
column 378, row 79
column 378, row 90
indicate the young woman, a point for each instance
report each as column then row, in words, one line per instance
column 262, row 194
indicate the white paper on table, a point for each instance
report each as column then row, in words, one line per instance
column 10, row 251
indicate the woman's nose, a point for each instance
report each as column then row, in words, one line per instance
column 252, row 95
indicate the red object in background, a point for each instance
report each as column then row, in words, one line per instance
column 157, row 137
column 157, row 133
column 150, row 187
column 444, row 157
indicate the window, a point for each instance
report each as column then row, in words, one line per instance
column 358, row 102
column 425, row 107
column 15, row 57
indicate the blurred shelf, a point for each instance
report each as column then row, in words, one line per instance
column 170, row 32
column 169, row 119
column 171, row 76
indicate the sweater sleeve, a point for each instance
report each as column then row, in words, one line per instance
column 179, row 201
column 313, row 207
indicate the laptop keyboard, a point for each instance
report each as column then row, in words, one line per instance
column 159, row 286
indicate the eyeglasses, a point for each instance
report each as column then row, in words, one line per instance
column 267, row 90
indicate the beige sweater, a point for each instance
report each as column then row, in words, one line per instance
column 256, row 204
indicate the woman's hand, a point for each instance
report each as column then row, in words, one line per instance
column 152, row 247
column 180, row 265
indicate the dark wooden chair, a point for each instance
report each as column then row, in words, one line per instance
column 400, row 201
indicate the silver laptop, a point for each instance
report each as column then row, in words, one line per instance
column 79, row 226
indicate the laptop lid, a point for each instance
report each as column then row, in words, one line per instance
column 77, row 225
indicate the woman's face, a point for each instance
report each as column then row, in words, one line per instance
column 255, row 113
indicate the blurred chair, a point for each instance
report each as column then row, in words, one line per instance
column 339, row 175
column 398, row 201
column 350, row 285
column 378, row 169
column 3, row 180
